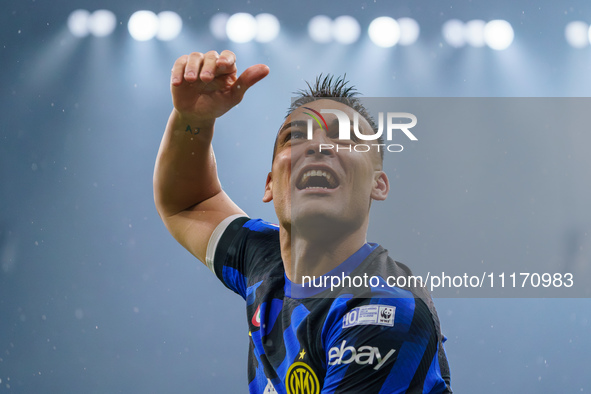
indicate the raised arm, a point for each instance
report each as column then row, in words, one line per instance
column 187, row 191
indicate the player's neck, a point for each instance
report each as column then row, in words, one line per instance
column 315, row 256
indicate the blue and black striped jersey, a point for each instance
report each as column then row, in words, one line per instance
column 312, row 340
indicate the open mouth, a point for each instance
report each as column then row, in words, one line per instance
column 317, row 179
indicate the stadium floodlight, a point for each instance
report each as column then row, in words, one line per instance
column 267, row 27
column 101, row 23
column 241, row 27
column 143, row 25
column 320, row 29
column 409, row 31
column 217, row 26
column 384, row 31
column 498, row 34
column 78, row 23
column 170, row 25
column 346, row 29
column 474, row 33
column 453, row 33
column 577, row 34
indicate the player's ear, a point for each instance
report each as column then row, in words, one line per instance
column 268, row 196
column 381, row 186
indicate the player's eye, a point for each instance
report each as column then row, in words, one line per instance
column 294, row 135
column 334, row 134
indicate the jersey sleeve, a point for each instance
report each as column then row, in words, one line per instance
column 238, row 248
column 385, row 345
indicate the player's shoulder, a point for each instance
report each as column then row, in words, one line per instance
column 241, row 230
column 241, row 248
column 237, row 223
column 260, row 226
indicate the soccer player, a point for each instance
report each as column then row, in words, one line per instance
column 305, row 336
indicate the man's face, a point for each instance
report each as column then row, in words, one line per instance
column 313, row 186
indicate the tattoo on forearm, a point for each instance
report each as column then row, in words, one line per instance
column 192, row 131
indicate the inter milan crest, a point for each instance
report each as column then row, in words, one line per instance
column 301, row 379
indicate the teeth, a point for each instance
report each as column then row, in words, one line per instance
column 315, row 173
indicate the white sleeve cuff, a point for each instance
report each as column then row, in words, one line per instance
column 215, row 238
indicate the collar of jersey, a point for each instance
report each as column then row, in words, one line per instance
column 297, row 290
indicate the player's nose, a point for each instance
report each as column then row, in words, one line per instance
column 320, row 144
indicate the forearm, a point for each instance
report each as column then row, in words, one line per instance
column 185, row 173
column 187, row 191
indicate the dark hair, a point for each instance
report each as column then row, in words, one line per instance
column 332, row 88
